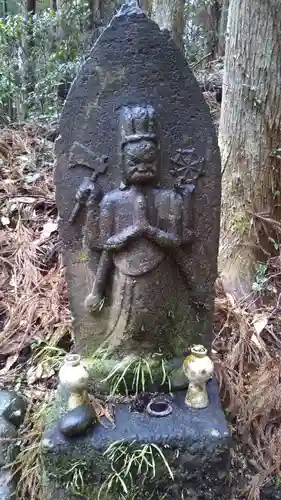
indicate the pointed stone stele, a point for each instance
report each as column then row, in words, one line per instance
column 138, row 193
column 140, row 248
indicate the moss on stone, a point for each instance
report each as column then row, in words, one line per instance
column 67, row 476
column 133, row 374
column 83, row 257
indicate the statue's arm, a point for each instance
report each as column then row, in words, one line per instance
column 163, row 238
column 187, row 194
column 158, row 236
column 91, row 230
column 172, row 232
column 123, row 238
column 95, row 299
column 133, row 231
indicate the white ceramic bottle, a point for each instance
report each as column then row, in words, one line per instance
column 198, row 368
column 74, row 377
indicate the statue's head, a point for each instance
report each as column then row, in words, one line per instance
column 140, row 149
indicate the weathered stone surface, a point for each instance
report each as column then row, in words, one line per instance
column 12, row 407
column 195, row 443
column 7, row 485
column 8, row 433
column 77, row 421
column 12, row 412
column 8, row 452
column 271, row 492
column 147, row 240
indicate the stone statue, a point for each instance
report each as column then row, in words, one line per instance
column 139, row 230
column 140, row 233
column 138, row 182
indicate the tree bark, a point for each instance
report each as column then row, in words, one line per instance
column 169, row 14
column 212, row 38
column 101, row 12
column 61, row 3
column 147, row 6
column 222, row 28
column 249, row 137
column 28, row 76
column 31, row 6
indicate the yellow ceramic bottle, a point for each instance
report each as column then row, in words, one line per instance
column 198, row 368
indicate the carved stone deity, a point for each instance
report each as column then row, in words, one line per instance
column 138, row 194
column 139, row 229
column 140, row 232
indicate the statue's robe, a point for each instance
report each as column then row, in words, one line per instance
column 144, row 282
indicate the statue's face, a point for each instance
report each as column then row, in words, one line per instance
column 140, row 162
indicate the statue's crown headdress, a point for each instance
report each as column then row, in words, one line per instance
column 136, row 123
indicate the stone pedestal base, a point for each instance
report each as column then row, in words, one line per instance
column 195, row 444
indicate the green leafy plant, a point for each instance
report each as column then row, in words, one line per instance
column 136, row 376
column 48, row 354
column 39, row 54
column 260, row 282
column 75, row 478
column 128, row 462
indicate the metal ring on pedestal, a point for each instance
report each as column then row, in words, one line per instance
column 158, row 408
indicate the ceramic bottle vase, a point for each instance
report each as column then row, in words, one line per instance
column 74, row 377
column 198, row 368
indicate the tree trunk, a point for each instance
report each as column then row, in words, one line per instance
column 31, row 6
column 28, row 76
column 249, row 137
column 147, row 6
column 212, row 38
column 94, row 16
column 61, row 3
column 223, row 28
column 101, row 12
column 169, row 14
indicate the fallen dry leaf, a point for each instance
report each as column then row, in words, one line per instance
column 23, row 199
column 9, row 363
column 103, row 410
column 49, row 228
column 257, row 341
column 5, row 221
column 39, row 372
column 259, row 322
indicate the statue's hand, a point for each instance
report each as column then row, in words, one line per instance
column 186, row 189
column 162, row 238
column 119, row 240
column 94, row 303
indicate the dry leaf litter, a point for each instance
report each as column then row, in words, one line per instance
column 35, row 328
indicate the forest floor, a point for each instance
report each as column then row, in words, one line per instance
column 35, row 326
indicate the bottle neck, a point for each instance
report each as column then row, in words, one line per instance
column 72, row 360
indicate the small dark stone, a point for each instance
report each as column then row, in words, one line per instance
column 200, row 466
column 12, row 407
column 77, row 421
